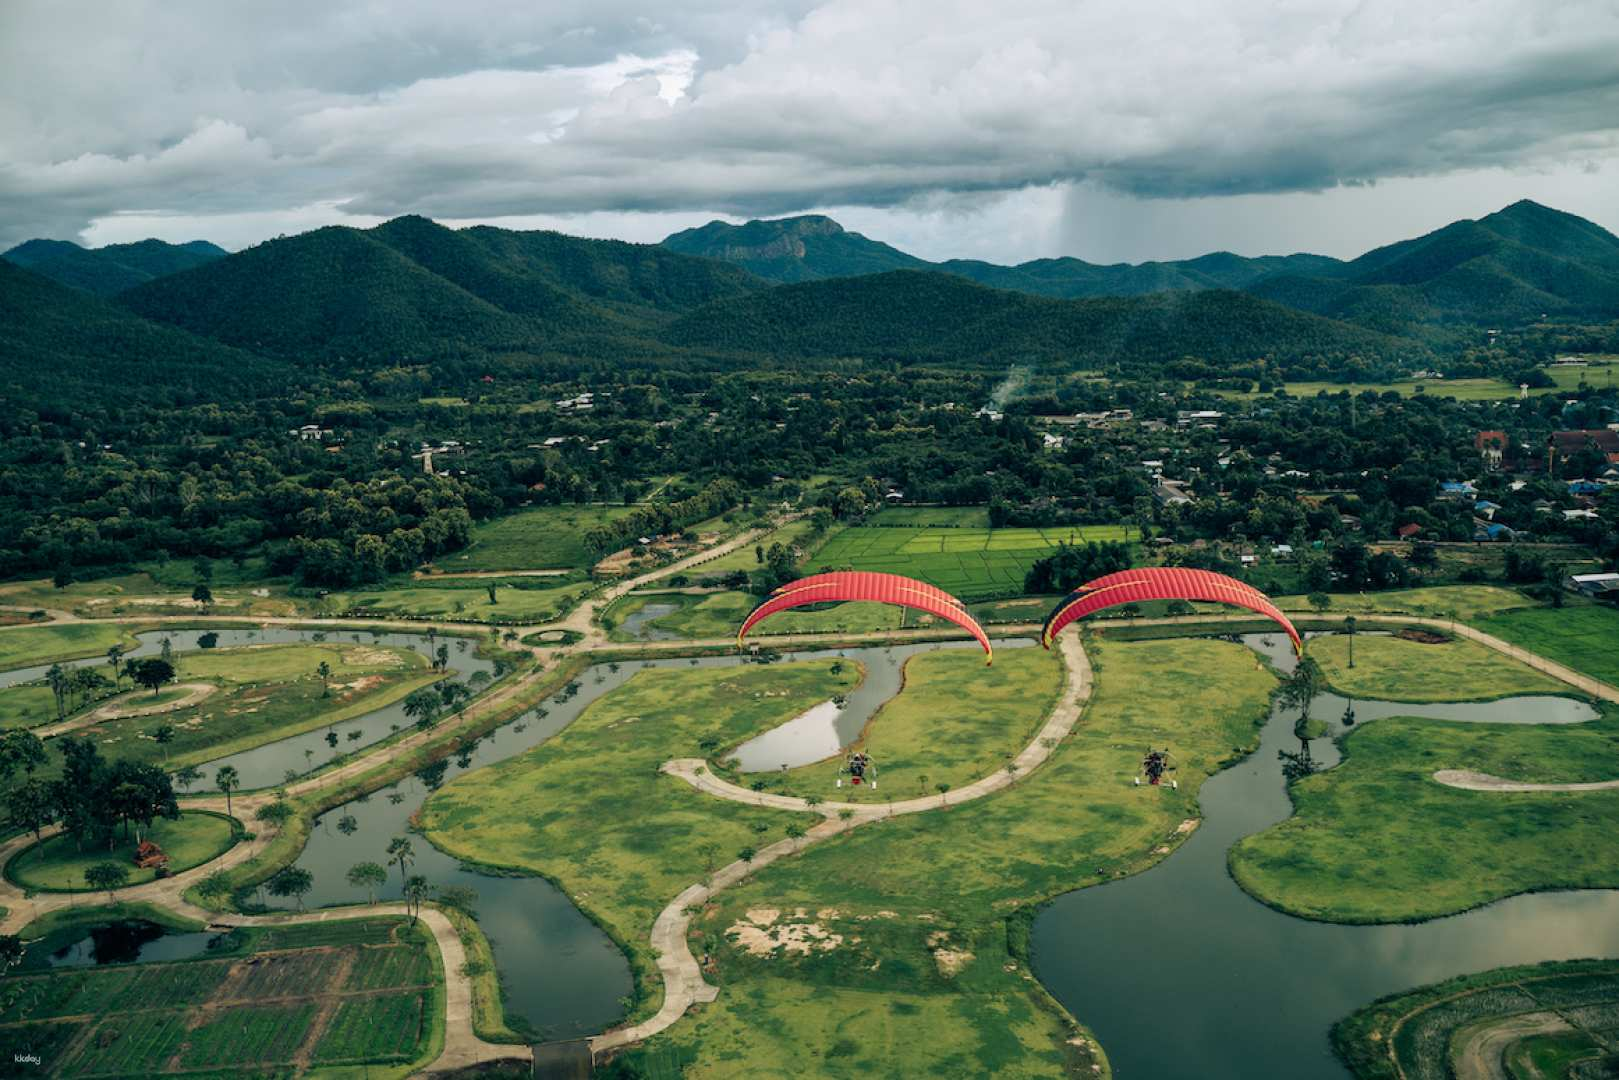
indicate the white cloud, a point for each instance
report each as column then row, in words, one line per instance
column 941, row 119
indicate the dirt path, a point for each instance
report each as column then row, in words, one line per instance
column 1468, row 780
column 1481, row 1054
column 683, row 982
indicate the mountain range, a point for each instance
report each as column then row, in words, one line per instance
column 110, row 269
column 1510, row 267
column 413, row 291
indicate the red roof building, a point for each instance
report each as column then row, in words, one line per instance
column 1406, row 532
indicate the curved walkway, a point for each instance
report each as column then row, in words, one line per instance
column 683, row 982
column 1468, row 780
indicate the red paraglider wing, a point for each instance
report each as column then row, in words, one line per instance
column 844, row 585
column 1163, row 583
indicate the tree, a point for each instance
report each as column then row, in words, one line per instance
column 1319, row 602
column 187, row 776
column 416, row 890
column 401, row 852
column 11, row 952
column 20, row 750
column 747, row 855
column 214, row 886
column 32, row 805
column 424, row 706
column 324, row 670
column 293, row 881
column 276, row 813
column 491, row 590
column 453, row 694
column 202, row 594
column 57, row 679
column 151, row 673
column 106, row 875
column 63, row 576
column 227, row 779
column 1350, row 623
column 207, row 640
column 163, row 735
column 943, row 790
column 368, row 876
column 795, row 833
column 115, row 656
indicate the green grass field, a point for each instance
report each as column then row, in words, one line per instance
column 544, row 538
column 266, row 692
column 211, row 1013
column 911, row 888
column 970, row 563
column 1581, row 635
column 1564, row 379
column 58, row 865
column 964, row 517
column 718, row 615
column 588, row 808
column 1422, row 1027
column 1378, row 840
column 746, row 558
column 25, row 706
column 518, row 600
column 955, row 721
column 1468, row 603
column 25, row 647
column 1396, row 669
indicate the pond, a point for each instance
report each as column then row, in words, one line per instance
column 269, row 764
column 828, row 727
column 122, row 942
column 1181, row 974
column 560, row 973
column 638, row 623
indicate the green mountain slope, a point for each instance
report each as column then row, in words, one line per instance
column 331, row 293
column 808, row 248
column 62, row 346
column 110, row 269
column 911, row 315
column 814, row 248
column 1508, row 268
column 411, row 289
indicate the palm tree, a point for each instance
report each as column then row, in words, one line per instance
column 163, row 735
column 227, row 779
column 1349, row 628
column 401, row 852
column 114, row 655
column 416, row 890
column 325, row 673
column 187, row 776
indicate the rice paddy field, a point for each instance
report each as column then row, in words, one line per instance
column 1581, row 635
column 1564, row 379
column 971, row 563
column 356, row 993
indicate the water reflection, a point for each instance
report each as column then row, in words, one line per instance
column 1181, row 974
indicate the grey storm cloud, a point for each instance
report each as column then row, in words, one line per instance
column 480, row 110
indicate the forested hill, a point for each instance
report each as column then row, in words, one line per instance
column 1506, row 269
column 814, row 247
column 911, row 315
column 110, row 269
column 64, row 347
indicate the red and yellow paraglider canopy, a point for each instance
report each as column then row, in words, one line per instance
column 1163, row 583
column 871, row 586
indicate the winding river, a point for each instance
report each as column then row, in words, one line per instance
column 1182, row 975
column 269, row 764
column 1179, row 973
column 560, row 973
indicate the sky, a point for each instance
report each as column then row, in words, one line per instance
column 1110, row 131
